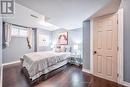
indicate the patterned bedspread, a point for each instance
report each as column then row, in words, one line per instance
column 38, row 61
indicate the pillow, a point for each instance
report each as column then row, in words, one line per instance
column 68, row 49
column 57, row 49
column 63, row 49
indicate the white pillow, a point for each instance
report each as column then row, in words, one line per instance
column 57, row 48
column 63, row 49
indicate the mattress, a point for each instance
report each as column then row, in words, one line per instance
column 38, row 62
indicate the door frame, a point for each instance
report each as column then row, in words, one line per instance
column 120, row 46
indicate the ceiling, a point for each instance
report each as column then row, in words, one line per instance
column 64, row 14
column 67, row 14
column 111, row 7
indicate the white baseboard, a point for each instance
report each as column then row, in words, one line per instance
column 4, row 64
column 125, row 83
column 1, row 79
column 122, row 82
column 86, row 70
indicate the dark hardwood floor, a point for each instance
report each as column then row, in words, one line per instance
column 69, row 76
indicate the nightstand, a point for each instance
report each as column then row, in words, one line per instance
column 76, row 59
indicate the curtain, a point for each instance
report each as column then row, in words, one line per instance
column 29, row 37
column 7, row 28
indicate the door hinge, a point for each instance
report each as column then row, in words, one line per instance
column 117, row 74
column 117, row 48
column 117, row 21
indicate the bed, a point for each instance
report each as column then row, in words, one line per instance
column 39, row 63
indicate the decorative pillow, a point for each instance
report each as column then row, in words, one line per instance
column 63, row 49
column 68, row 49
column 58, row 49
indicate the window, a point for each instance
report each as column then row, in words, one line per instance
column 19, row 31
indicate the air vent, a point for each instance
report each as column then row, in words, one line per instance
column 33, row 16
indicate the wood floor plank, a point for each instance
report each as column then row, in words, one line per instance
column 70, row 76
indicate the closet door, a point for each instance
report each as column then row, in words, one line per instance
column 105, row 47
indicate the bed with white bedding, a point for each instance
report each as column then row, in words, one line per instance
column 39, row 63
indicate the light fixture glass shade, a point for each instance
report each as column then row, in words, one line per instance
column 76, row 47
column 52, row 46
column 47, row 24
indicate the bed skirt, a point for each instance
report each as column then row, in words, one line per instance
column 49, row 69
column 44, row 73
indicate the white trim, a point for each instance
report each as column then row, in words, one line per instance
column 86, row 70
column 1, row 79
column 91, row 46
column 120, row 45
column 2, row 69
column 4, row 64
column 125, row 83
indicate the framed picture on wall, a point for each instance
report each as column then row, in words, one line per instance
column 63, row 38
column 43, row 40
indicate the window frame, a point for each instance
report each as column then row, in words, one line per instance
column 18, row 33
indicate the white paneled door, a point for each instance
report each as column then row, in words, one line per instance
column 105, row 47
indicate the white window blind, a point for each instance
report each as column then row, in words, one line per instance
column 19, row 31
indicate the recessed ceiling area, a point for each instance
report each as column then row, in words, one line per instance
column 64, row 14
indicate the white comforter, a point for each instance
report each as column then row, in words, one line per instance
column 38, row 61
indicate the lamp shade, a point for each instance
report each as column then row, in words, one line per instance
column 76, row 47
column 52, row 46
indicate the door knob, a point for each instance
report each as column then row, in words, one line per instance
column 94, row 52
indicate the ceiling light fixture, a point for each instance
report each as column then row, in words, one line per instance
column 46, row 24
column 33, row 16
